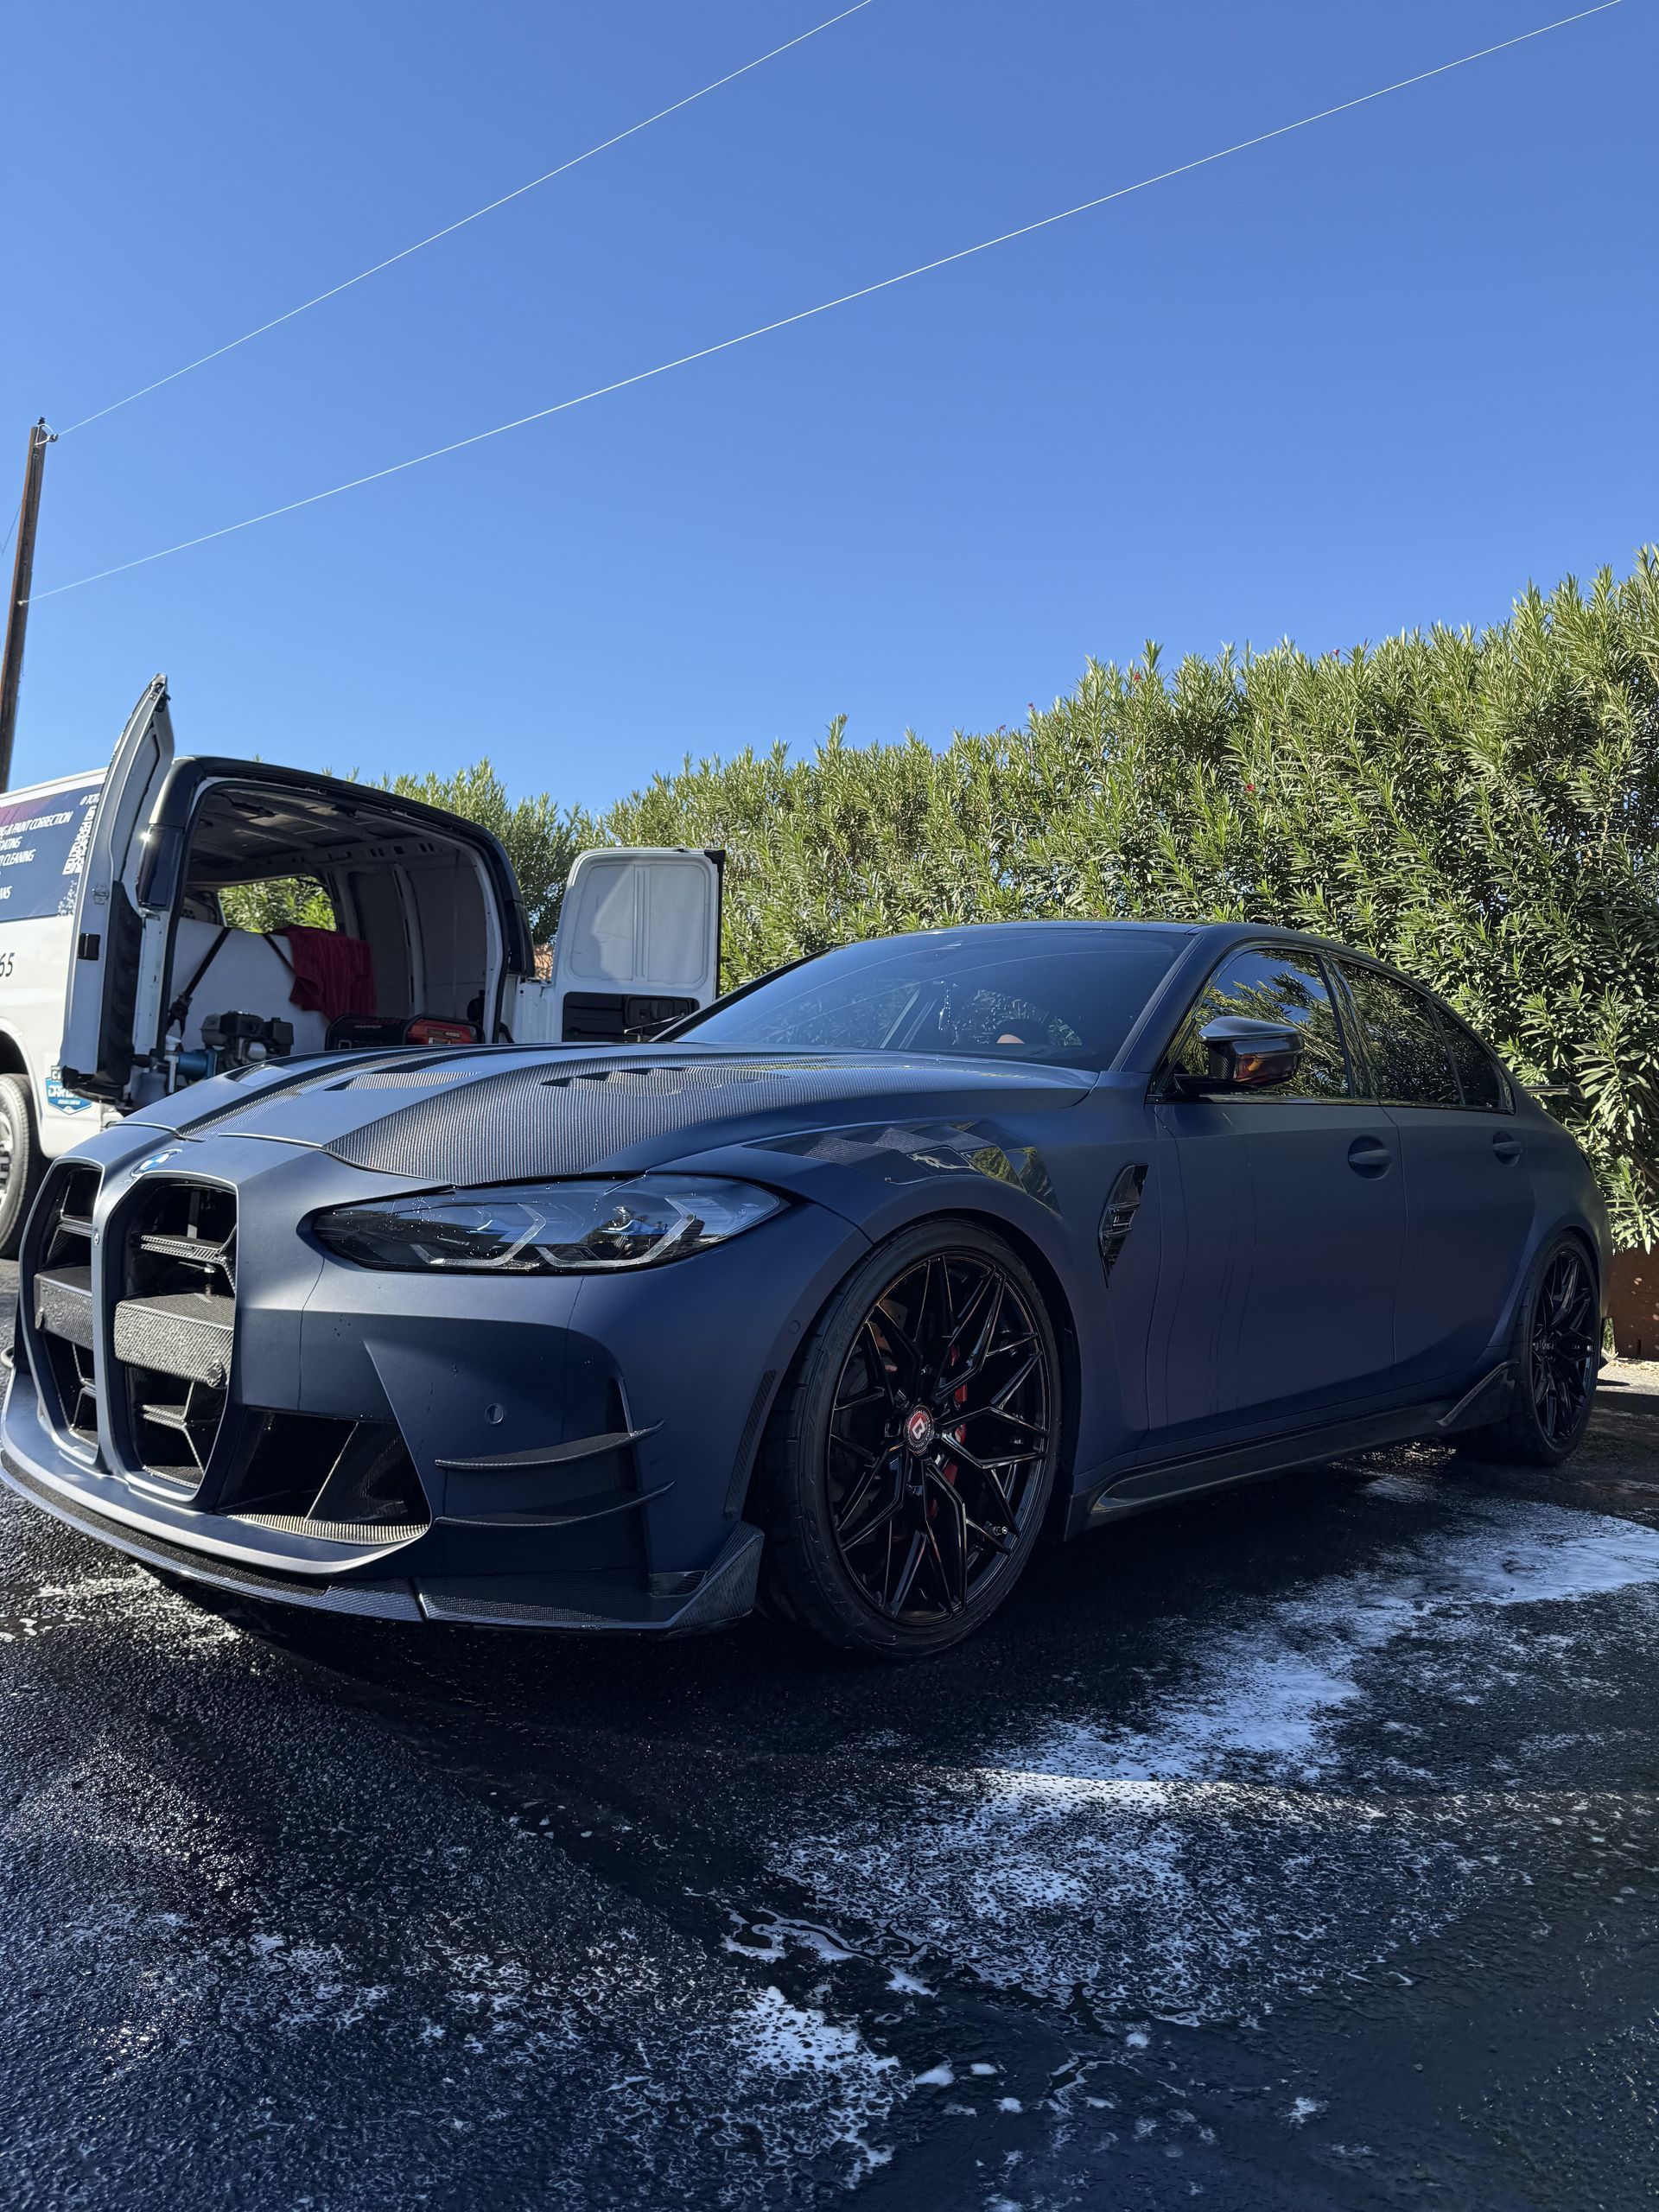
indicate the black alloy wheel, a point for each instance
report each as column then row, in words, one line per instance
column 1562, row 1349
column 1555, row 1357
column 941, row 1417
column 909, row 1478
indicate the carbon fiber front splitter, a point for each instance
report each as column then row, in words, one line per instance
column 724, row 1593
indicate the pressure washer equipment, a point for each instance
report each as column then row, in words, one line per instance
column 234, row 1040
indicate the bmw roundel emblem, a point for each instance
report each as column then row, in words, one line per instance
column 158, row 1159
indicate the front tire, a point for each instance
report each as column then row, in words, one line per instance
column 20, row 1162
column 907, row 1472
column 1555, row 1352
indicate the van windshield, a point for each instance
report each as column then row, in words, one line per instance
column 1058, row 992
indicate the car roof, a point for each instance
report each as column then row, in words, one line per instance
column 1208, row 942
column 1215, row 936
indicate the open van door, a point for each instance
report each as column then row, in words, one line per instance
column 107, row 968
column 639, row 942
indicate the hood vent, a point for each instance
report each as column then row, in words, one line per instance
column 551, row 1118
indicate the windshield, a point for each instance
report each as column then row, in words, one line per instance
column 1049, row 991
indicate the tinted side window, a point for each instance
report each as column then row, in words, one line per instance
column 1274, row 983
column 1482, row 1080
column 1410, row 1065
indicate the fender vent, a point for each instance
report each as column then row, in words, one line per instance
column 1118, row 1218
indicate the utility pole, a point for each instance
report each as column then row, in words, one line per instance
column 22, row 574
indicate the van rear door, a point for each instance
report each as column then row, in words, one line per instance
column 108, row 970
column 639, row 942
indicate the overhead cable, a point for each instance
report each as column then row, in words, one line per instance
column 460, row 223
column 824, row 307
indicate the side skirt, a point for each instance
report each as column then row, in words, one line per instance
column 1174, row 1479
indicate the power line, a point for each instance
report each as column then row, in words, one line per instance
column 805, row 314
column 450, row 229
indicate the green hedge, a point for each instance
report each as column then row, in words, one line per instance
column 1482, row 809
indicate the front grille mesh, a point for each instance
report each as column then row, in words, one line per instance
column 62, row 1295
column 165, row 1355
column 174, row 1324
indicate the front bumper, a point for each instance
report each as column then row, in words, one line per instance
column 725, row 1592
column 563, row 1451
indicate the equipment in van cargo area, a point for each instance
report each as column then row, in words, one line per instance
column 120, row 893
column 236, row 1040
column 353, row 1032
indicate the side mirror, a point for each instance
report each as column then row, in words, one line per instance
column 1244, row 1055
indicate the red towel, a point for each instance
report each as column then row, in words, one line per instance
column 332, row 975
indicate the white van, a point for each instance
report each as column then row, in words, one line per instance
column 122, row 978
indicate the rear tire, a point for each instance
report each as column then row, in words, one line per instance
column 907, row 1472
column 20, row 1162
column 1554, row 1350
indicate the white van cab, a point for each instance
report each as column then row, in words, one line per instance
column 122, row 975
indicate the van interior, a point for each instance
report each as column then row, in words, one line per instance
column 411, row 914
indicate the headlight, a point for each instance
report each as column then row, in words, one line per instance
column 548, row 1228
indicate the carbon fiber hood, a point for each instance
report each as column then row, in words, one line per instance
column 472, row 1117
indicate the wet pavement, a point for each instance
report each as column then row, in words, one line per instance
column 1297, row 1851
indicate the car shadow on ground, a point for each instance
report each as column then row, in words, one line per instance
column 718, row 1779
column 1105, row 1613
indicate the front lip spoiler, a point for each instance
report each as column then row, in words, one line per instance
column 385, row 1601
column 240, row 1545
column 725, row 1592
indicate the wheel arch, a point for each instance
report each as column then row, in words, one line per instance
column 1580, row 1234
column 1585, row 1239
column 1577, row 1231
column 14, row 1060
column 1047, row 1279
column 21, row 1179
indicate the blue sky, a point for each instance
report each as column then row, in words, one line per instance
column 1376, row 374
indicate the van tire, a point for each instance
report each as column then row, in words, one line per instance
column 20, row 1162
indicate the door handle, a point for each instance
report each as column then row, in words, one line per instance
column 1369, row 1156
column 1506, row 1149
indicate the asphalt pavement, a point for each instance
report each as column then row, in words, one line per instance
column 1300, row 1850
